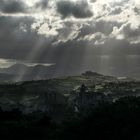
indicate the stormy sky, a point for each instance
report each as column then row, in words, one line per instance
column 76, row 35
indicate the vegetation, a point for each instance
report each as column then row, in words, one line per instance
column 115, row 121
column 82, row 107
column 112, row 121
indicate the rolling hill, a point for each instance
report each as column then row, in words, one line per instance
column 46, row 95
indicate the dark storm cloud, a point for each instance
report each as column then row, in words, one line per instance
column 77, row 9
column 16, row 37
column 16, row 42
column 42, row 4
column 12, row 6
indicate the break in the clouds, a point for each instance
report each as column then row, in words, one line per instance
column 74, row 34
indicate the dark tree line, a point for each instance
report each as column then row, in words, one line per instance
column 112, row 121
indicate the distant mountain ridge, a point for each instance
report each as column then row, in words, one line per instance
column 29, row 72
column 39, row 72
column 16, row 68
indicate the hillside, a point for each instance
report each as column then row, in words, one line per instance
column 58, row 107
column 45, row 95
column 22, row 72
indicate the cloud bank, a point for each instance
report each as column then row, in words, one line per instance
column 75, row 34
